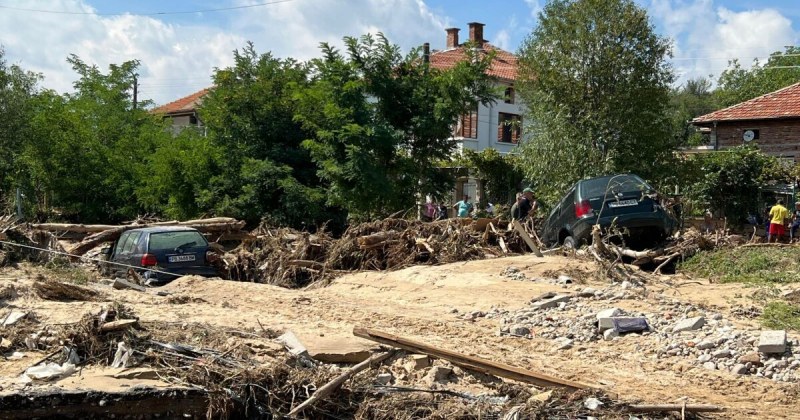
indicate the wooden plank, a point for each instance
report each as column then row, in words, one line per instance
column 502, row 243
column 336, row 382
column 688, row 408
column 527, row 238
column 471, row 362
column 118, row 325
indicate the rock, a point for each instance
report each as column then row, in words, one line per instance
column 704, row 358
column 705, row 345
column 716, row 317
column 518, row 329
column 609, row 313
column 587, row 292
column 689, row 324
column 592, row 403
column 739, row 369
column 551, row 302
column 336, row 348
column 710, row 365
column 417, row 362
column 540, row 397
column 384, row 379
column 772, row 341
column 753, row 358
column 13, row 317
column 438, row 374
column 610, row 334
column 626, row 285
column 563, row 344
column 721, row 353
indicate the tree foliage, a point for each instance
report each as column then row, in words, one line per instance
column 737, row 84
column 380, row 122
column 692, row 99
column 596, row 81
column 501, row 174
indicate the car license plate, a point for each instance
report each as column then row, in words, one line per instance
column 623, row 203
column 181, row 258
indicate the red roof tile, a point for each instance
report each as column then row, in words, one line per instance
column 783, row 103
column 183, row 105
column 504, row 65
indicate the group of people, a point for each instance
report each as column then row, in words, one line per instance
column 524, row 205
column 779, row 216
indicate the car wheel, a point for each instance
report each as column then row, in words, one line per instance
column 569, row 242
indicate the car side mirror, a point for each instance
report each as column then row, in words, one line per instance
column 106, row 250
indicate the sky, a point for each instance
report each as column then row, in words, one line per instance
column 180, row 43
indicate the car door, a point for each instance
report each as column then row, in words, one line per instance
column 123, row 253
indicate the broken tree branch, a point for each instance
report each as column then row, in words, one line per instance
column 331, row 386
column 470, row 362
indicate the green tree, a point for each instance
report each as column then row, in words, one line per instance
column 728, row 181
column 596, row 81
column 692, row 99
column 264, row 171
column 87, row 152
column 18, row 89
column 737, row 84
column 381, row 122
column 501, row 174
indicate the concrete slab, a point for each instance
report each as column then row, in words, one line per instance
column 337, row 349
column 772, row 341
column 552, row 302
column 689, row 324
column 13, row 317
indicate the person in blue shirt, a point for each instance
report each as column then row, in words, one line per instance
column 464, row 207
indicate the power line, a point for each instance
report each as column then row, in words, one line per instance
column 221, row 9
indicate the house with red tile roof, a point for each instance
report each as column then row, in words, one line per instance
column 771, row 122
column 183, row 111
column 497, row 125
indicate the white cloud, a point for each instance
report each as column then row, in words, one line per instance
column 535, row 7
column 706, row 38
column 178, row 59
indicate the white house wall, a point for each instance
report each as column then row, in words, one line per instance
column 488, row 117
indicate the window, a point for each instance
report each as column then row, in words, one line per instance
column 467, row 125
column 193, row 119
column 164, row 241
column 509, row 128
column 509, row 95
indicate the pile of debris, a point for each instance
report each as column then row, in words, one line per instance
column 673, row 329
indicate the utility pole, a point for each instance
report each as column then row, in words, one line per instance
column 135, row 90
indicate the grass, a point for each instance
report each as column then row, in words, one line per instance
column 781, row 315
column 746, row 265
column 63, row 271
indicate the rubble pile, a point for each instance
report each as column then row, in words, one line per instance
column 671, row 330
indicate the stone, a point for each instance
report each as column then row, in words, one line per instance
column 704, row 358
column 753, row 358
column 518, row 329
column 739, row 369
column 710, row 365
column 610, row 334
column 540, row 397
column 772, row 341
column 384, row 379
column 626, row 285
column 609, row 313
column 13, row 317
column 587, row 292
column 551, row 302
column 336, row 348
column 417, row 362
column 564, row 344
column 689, row 324
column 438, row 374
column 705, row 345
column 721, row 353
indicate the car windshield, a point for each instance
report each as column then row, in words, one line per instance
column 171, row 240
column 597, row 187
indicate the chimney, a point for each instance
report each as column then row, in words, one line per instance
column 476, row 33
column 426, row 53
column 452, row 37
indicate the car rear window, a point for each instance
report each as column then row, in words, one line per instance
column 171, row 240
column 597, row 187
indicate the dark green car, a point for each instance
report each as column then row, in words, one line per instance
column 625, row 200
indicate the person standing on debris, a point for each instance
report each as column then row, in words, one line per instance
column 526, row 205
column 490, row 209
column 464, row 207
column 777, row 215
column 708, row 225
column 795, row 220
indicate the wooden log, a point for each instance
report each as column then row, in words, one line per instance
column 336, row 382
column 308, row 264
column 70, row 227
column 120, row 284
column 527, row 238
column 118, row 325
column 689, row 408
column 376, row 239
column 471, row 362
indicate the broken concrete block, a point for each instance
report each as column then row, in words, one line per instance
column 417, row 362
column 622, row 323
column 587, row 292
column 610, row 334
column 518, row 329
column 551, row 302
column 292, row 344
column 384, row 379
column 13, row 317
column 438, row 374
column 689, row 324
column 540, row 397
column 336, row 348
column 609, row 313
column 772, row 341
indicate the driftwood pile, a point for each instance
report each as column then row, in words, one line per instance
column 295, row 259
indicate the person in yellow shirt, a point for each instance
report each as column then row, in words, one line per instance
column 777, row 221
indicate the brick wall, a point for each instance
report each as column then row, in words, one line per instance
column 776, row 138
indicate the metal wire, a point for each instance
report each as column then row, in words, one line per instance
column 87, row 258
